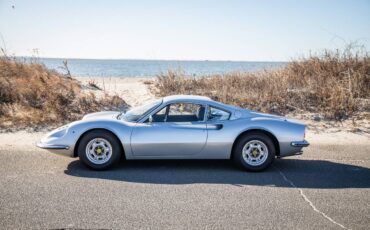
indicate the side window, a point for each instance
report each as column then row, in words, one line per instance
column 185, row 112
column 160, row 116
column 215, row 114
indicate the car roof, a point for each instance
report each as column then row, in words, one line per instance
column 186, row 97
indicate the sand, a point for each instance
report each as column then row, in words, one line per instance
column 133, row 90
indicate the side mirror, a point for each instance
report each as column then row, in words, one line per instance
column 150, row 119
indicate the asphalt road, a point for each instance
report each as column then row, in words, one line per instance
column 328, row 187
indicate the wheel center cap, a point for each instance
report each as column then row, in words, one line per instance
column 98, row 151
column 254, row 152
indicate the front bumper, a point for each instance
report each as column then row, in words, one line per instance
column 303, row 143
column 58, row 149
column 48, row 146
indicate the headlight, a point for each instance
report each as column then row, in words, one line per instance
column 59, row 132
column 62, row 127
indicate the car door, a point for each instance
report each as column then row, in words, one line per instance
column 179, row 129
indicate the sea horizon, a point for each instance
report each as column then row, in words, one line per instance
column 151, row 67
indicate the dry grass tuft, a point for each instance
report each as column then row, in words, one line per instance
column 33, row 96
column 334, row 84
column 93, row 84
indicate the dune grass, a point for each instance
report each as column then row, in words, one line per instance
column 333, row 84
column 33, row 96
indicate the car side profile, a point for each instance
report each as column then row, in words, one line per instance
column 179, row 127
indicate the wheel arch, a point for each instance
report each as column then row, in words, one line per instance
column 257, row 130
column 75, row 154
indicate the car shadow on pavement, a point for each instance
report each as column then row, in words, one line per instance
column 303, row 173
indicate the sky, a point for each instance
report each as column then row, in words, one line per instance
column 181, row 30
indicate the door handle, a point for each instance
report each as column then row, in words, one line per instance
column 215, row 126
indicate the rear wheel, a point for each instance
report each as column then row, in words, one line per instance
column 254, row 152
column 99, row 149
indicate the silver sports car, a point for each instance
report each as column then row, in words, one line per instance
column 179, row 127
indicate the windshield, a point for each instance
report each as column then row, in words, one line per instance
column 136, row 113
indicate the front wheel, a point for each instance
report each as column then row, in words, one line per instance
column 99, row 149
column 254, row 152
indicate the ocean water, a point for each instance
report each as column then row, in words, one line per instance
column 150, row 68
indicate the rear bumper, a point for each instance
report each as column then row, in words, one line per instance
column 303, row 143
column 57, row 149
column 292, row 148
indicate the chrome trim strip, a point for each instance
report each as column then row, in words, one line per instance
column 303, row 143
column 46, row 146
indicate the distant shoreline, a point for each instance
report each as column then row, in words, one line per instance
column 148, row 59
column 150, row 68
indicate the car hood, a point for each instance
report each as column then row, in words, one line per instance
column 102, row 115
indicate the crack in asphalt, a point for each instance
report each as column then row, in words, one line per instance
column 308, row 200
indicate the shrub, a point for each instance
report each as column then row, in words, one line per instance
column 335, row 84
column 33, row 96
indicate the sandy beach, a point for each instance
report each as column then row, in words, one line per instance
column 133, row 90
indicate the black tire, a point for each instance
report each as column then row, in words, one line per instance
column 113, row 141
column 238, row 151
